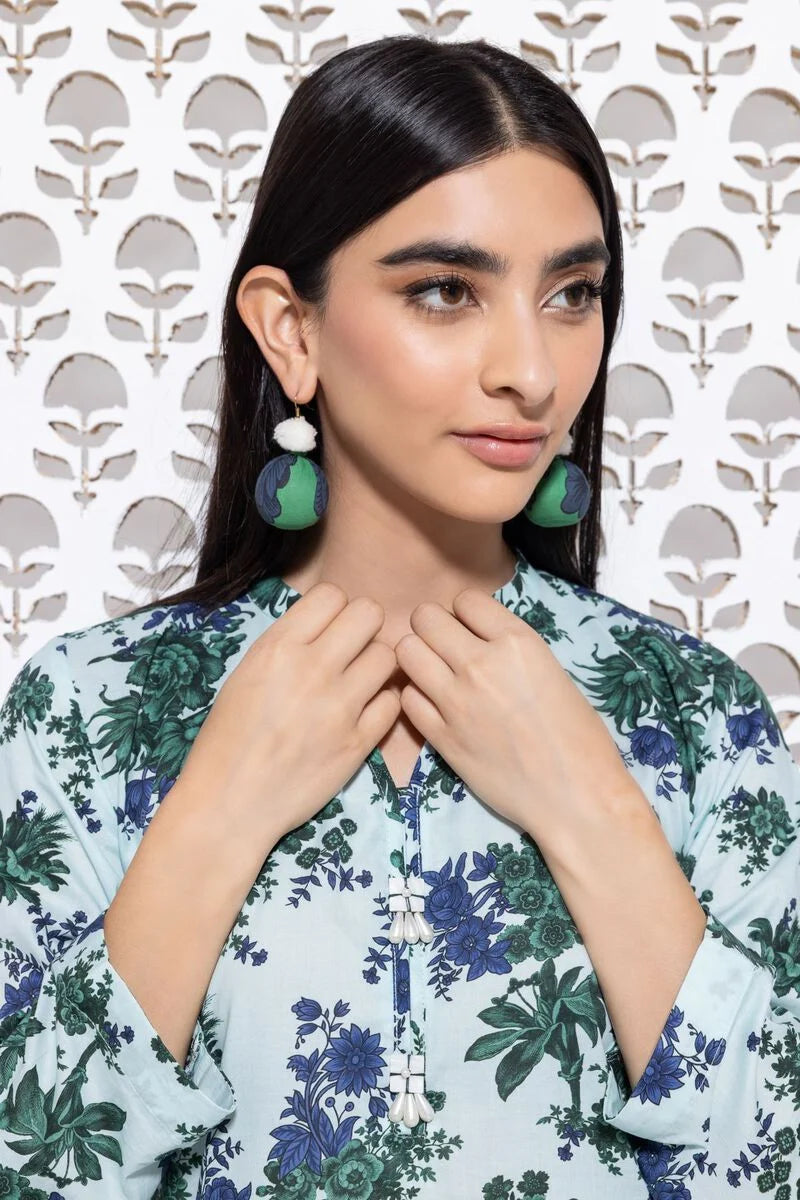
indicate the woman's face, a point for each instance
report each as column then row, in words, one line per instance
column 398, row 373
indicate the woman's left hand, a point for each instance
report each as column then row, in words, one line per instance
column 487, row 692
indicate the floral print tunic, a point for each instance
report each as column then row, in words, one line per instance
column 316, row 1023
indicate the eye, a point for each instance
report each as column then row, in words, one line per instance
column 591, row 289
column 450, row 282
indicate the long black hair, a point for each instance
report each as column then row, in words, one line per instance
column 367, row 128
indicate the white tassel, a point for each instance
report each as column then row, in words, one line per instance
column 396, row 933
column 424, row 928
column 406, row 901
column 296, row 434
column 410, row 931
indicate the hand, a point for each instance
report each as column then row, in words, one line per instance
column 488, row 693
column 296, row 717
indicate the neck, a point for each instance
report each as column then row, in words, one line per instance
column 399, row 564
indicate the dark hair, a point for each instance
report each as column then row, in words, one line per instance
column 367, row 128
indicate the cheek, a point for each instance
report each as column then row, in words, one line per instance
column 578, row 358
column 372, row 355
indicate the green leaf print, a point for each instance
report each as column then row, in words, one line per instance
column 51, row 1127
column 548, row 1028
column 118, row 731
column 29, row 855
column 28, row 702
column 14, row 1031
column 519, row 1062
column 490, row 1044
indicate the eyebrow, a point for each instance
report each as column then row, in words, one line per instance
column 479, row 258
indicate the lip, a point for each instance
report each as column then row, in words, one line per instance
column 503, row 452
column 506, row 429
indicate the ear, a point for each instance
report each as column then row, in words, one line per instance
column 281, row 324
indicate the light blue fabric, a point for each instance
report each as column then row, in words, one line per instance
column 286, row 1090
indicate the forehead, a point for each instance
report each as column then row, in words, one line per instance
column 523, row 199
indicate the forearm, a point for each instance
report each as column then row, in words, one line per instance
column 637, row 914
column 174, row 909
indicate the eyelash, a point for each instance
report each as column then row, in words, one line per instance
column 593, row 288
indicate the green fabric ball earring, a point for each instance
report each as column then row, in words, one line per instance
column 562, row 495
column 291, row 491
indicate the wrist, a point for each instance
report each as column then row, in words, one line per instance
column 598, row 832
column 227, row 843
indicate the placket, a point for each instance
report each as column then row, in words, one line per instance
column 409, row 935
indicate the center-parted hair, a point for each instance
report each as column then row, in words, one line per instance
column 361, row 133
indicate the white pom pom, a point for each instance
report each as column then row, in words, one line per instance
column 295, row 433
column 566, row 445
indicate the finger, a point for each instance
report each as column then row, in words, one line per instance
column 444, row 633
column 429, row 673
column 309, row 616
column 423, row 715
column 482, row 614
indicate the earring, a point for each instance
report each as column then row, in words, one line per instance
column 561, row 497
column 291, row 491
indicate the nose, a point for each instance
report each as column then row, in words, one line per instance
column 516, row 353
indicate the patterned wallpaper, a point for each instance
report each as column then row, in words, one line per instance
column 132, row 140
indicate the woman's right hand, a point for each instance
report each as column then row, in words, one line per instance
column 297, row 716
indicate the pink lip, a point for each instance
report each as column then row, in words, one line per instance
column 507, row 430
column 502, row 452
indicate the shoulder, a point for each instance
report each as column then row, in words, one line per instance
column 668, row 690
column 658, row 646
column 124, row 676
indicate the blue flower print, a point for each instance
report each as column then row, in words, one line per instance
column 448, row 899
column 662, row 1075
column 354, row 1060
column 138, row 803
column 462, row 936
column 224, row 1189
column 349, row 1064
column 116, row 1036
column 653, row 747
column 469, row 943
column 770, row 1154
column 665, row 1174
column 24, row 996
column 665, row 1071
column 307, row 1010
column 653, row 1160
column 748, row 729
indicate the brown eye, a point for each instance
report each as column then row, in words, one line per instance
column 450, row 286
column 590, row 289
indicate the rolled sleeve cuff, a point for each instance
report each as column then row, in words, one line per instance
column 672, row 1101
column 184, row 1102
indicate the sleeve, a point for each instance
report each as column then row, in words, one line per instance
column 90, row 1096
column 721, row 1092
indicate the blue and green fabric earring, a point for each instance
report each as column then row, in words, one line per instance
column 291, row 490
column 562, row 495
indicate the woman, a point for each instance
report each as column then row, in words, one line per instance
column 392, row 859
